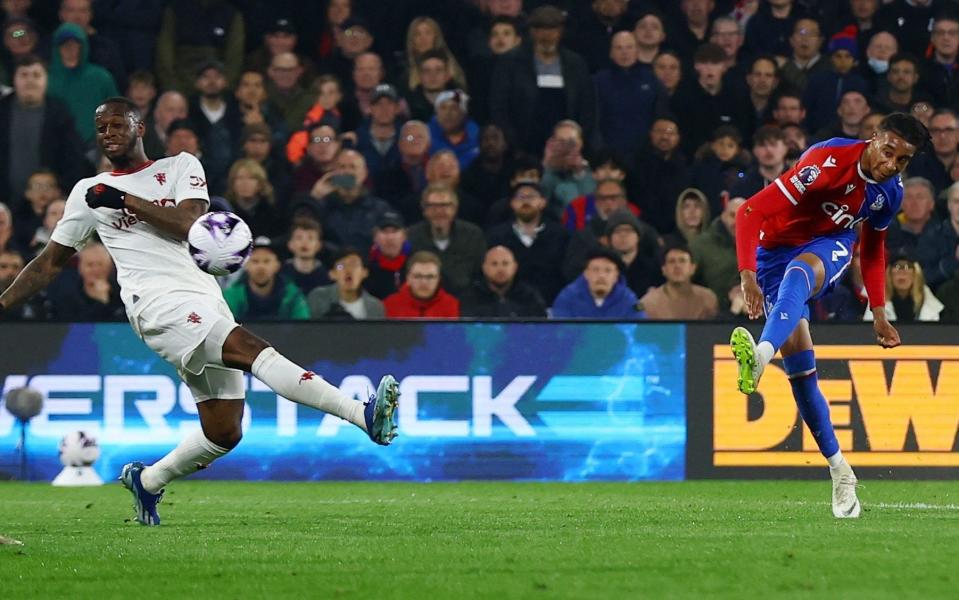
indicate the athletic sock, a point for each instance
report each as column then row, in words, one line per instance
column 305, row 387
column 801, row 370
column 195, row 452
column 836, row 460
column 794, row 291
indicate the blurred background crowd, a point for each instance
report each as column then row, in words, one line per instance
column 486, row 158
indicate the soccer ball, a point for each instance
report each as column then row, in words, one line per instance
column 78, row 449
column 220, row 242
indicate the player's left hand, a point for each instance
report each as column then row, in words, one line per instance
column 104, row 196
column 886, row 334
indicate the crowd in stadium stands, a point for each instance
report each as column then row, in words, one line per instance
column 484, row 158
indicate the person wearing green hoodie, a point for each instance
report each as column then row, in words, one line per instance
column 73, row 79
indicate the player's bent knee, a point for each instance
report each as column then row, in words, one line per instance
column 814, row 268
column 225, row 436
column 241, row 348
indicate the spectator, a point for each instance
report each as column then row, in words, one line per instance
column 41, row 236
column 407, row 179
column 853, row 108
column 679, row 297
column 280, row 37
column 863, row 15
column 424, row 34
column 825, row 87
column 762, row 81
column 882, row 47
column 345, row 298
column 504, row 36
column 182, row 137
column 378, row 135
column 525, row 169
column 262, row 294
column 459, row 245
column 770, row 30
column 566, row 174
column 592, row 31
column 692, row 218
column 219, row 124
column 582, row 209
column 11, row 264
column 900, row 93
column 599, row 293
column 908, row 298
column 452, row 129
column 922, row 111
column 788, row 109
column 311, row 176
column 255, row 105
column 909, row 22
column 285, row 91
column 42, row 189
column 714, row 251
column 939, row 248
column 535, row 88
column 355, row 38
column 939, row 78
column 934, row 163
column 535, row 244
column 495, row 10
column 171, row 106
column 625, row 232
column 487, row 178
column 703, row 104
column 629, row 97
column 387, row 256
column 36, row 131
column 868, row 127
column 650, row 33
column 305, row 268
column 346, row 209
column 20, row 39
column 421, row 296
column 692, row 27
column 142, row 90
column 916, row 218
column 661, row 173
column 720, row 165
column 769, row 149
column 499, row 294
column 193, row 32
column 806, row 40
column 250, row 193
column 337, row 11
column 368, row 73
column 726, row 33
column 257, row 144
column 82, row 86
column 796, row 142
column 90, row 293
column 668, row 71
column 948, row 294
column 104, row 51
column 435, row 75
column 329, row 109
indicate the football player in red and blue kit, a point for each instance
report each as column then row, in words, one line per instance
column 805, row 225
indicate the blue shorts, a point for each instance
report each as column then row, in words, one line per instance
column 835, row 252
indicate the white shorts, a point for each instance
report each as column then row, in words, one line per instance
column 188, row 331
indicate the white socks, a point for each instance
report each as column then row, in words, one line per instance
column 836, row 460
column 764, row 353
column 305, row 387
column 195, row 452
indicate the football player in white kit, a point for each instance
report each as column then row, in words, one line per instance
column 142, row 212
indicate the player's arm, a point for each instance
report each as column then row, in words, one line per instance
column 37, row 275
column 872, row 260
column 174, row 220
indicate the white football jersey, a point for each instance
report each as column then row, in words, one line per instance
column 149, row 262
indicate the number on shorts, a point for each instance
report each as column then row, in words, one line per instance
column 836, row 254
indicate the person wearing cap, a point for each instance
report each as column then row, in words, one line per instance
column 824, row 88
column 388, row 254
column 218, row 121
column 908, row 298
column 378, row 135
column 714, row 250
column 104, row 50
column 499, row 294
column 261, row 294
column 533, row 88
column 600, row 292
column 192, row 32
column 41, row 131
column 81, row 85
column 279, row 37
column 422, row 295
column 452, row 129
column 679, row 298
column 345, row 298
column 624, row 235
column 536, row 244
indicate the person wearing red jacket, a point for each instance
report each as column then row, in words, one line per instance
column 421, row 297
column 805, row 226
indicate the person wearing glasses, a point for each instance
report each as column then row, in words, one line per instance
column 908, row 298
column 422, row 296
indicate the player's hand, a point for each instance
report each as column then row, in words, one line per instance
column 752, row 295
column 104, row 196
column 886, row 334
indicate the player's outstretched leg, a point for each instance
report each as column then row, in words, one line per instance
column 376, row 416
column 801, row 370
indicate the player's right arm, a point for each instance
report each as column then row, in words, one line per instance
column 37, row 275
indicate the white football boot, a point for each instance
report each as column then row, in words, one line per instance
column 845, row 503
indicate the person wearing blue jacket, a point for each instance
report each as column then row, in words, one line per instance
column 599, row 293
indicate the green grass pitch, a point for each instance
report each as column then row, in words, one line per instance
column 484, row 540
